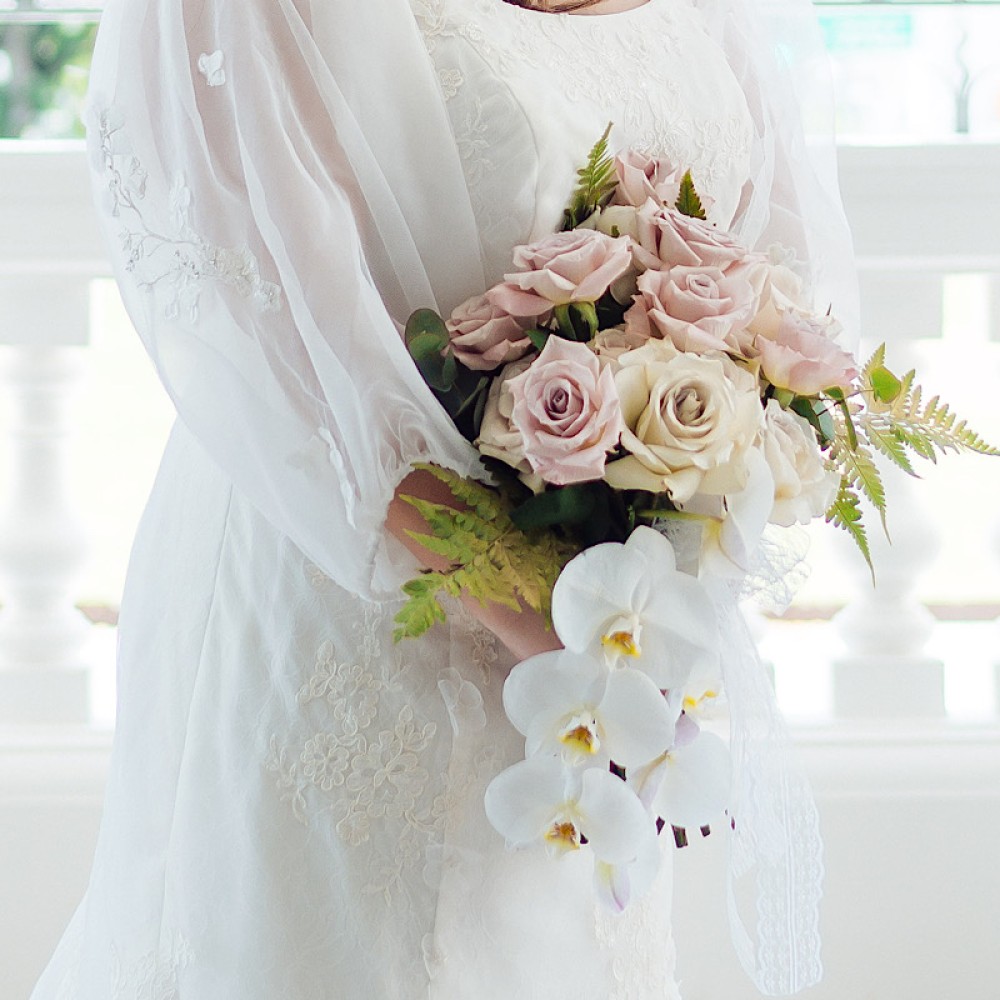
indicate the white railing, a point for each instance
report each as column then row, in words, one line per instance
column 918, row 793
column 926, row 221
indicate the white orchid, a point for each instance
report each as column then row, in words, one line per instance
column 618, row 885
column 540, row 801
column 731, row 540
column 630, row 603
column 688, row 786
column 574, row 707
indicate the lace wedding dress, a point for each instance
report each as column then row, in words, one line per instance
column 295, row 802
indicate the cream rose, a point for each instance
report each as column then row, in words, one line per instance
column 803, row 357
column 689, row 422
column 567, row 412
column 698, row 309
column 484, row 337
column 576, row 266
column 498, row 437
column 804, row 487
column 782, row 291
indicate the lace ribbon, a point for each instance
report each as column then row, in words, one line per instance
column 775, row 826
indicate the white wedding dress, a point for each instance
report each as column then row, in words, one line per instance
column 295, row 803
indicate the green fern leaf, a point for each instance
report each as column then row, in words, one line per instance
column 688, row 203
column 491, row 558
column 888, row 443
column 596, row 182
column 845, row 513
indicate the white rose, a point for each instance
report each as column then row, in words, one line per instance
column 783, row 291
column 803, row 487
column 689, row 422
column 498, row 437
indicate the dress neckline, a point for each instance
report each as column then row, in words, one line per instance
column 563, row 15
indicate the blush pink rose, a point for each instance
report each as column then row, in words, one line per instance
column 803, row 358
column 642, row 177
column 578, row 266
column 568, row 413
column 672, row 239
column 697, row 309
column 484, row 337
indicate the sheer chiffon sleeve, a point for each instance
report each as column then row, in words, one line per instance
column 270, row 233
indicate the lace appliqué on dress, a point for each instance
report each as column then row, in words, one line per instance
column 639, row 973
column 174, row 261
column 370, row 770
column 154, row 975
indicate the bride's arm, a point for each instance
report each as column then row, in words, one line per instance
column 524, row 633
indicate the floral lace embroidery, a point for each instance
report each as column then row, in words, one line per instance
column 646, row 971
column 591, row 61
column 368, row 765
column 179, row 261
column 153, row 976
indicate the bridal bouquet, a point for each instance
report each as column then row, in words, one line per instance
column 637, row 379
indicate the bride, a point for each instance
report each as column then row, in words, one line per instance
column 295, row 802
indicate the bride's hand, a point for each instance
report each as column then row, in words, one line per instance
column 523, row 632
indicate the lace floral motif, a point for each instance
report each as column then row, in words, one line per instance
column 638, row 973
column 153, row 976
column 371, row 763
column 178, row 261
column 601, row 63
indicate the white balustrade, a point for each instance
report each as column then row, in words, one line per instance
column 910, row 241
column 909, row 235
column 49, row 254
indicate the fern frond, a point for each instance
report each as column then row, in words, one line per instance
column 596, row 182
column 845, row 513
column 887, row 442
column 856, row 465
column 688, row 202
column 927, row 429
column 491, row 558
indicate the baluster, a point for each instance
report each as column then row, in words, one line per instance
column 43, row 637
column 885, row 628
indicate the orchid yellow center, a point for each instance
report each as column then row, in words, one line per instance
column 622, row 639
column 691, row 703
column 563, row 836
column 580, row 735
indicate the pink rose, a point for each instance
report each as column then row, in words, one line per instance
column 641, row 177
column 568, row 413
column 698, row 309
column 803, row 358
column 484, row 337
column 675, row 240
column 578, row 266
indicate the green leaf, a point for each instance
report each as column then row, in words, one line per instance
column 818, row 414
column 596, row 182
column 425, row 321
column 538, row 337
column 837, row 395
column 577, row 321
column 885, row 385
column 564, row 505
column 688, row 203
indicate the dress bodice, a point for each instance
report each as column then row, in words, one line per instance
column 529, row 93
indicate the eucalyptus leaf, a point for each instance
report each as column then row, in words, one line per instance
column 425, row 321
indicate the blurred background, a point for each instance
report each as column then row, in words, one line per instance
column 892, row 693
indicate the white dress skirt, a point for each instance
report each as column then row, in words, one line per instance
column 295, row 809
